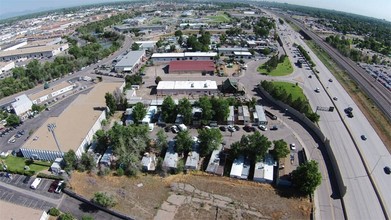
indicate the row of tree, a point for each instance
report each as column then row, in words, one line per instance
column 273, row 62
column 299, row 104
column 306, row 56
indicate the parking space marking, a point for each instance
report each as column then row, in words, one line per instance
column 18, row 180
column 8, row 195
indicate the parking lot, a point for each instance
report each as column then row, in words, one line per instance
column 42, row 189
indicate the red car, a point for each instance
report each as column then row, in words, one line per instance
column 53, row 186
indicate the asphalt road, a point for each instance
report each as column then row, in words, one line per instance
column 361, row 201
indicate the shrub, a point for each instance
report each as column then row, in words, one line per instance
column 104, row 200
column 87, row 217
column 54, row 212
column 42, row 175
column 66, row 216
column 120, row 172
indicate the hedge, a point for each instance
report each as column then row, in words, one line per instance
column 21, row 172
column 48, row 176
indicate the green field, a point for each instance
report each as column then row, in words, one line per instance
column 219, row 18
column 282, row 69
column 18, row 163
column 292, row 89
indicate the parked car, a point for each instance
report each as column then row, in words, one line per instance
column 231, row 128
column 35, row 183
column 293, row 146
column 27, row 179
column 174, row 129
column 53, row 186
column 167, row 129
column 248, row 128
column 59, row 187
column 237, row 127
column 223, row 128
column 262, row 127
column 274, row 127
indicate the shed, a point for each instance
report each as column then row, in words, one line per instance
column 261, row 115
column 56, row 166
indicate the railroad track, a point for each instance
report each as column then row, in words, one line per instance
column 380, row 95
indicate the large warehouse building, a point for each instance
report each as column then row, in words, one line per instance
column 130, row 61
column 74, row 127
column 51, row 92
column 33, row 52
column 188, row 66
column 187, row 87
column 167, row 57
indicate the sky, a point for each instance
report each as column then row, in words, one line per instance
column 372, row 8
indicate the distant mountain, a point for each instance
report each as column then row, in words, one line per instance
column 26, row 12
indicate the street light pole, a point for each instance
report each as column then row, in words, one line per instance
column 51, row 127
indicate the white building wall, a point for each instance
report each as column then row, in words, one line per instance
column 19, row 45
column 7, row 67
column 61, row 91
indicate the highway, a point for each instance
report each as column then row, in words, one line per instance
column 361, row 162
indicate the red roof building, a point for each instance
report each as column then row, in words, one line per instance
column 189, row 66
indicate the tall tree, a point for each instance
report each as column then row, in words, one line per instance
column 207, row 109
column 307, row 177
column 221, row 109
column 139, row 112
column 70, row 160
column 13, row 120
column 161, row 140
column 183, row 142
column 169, row 110
column 185, row 109
column 110, row 103
column 102, row 141
column 281, row 149
column 135, row 46
column 210, row 139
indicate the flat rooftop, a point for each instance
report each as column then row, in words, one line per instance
column 131, row 58
column 49, row 90
column 193, row 85
column 16, row 212
column 73, row 124
column 187, row 65
column 30, row 50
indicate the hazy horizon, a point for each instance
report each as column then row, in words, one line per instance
column 380, row 9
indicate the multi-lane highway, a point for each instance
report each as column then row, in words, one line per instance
column 361, row 161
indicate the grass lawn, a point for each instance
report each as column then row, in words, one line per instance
column 282, row 69
column 292, row 89
column 18, row 163
column 220, row 17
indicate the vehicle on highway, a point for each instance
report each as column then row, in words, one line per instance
column 274, row 128
column 387, row 170
column 363, row 137
column 293, row 146
column 53, row 186
column 349, row 112
column 174, row 129
column 335, row 98
column 317, row 90
column 35, row 183
column 59, row 187
column 330, row 80
column 262, row 127
column 310, row 76
column 231, row 128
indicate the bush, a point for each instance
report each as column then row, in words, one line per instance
column 54, row 212
column 66, row 216
column 87, row 217
column 42, row 175
column 120, row 172
column 104, row 200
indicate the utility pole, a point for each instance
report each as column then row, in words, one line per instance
column 51, row 128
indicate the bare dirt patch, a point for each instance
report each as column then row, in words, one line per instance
column 193, row 196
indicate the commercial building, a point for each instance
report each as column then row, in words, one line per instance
column 51, row 92
column 171, row 158
column 13, row 211
column 74, row 127
column 243, row 55
column 147, row 45
column 262, row 120
column 21, row 105
column 5, row 66
column 187, row 66
column 229, row 51
column 127, row 28
column 264, row 170
column 130, row 61
column 193, row 25
column 33, row 52
column 167, row 57
column 187, row 87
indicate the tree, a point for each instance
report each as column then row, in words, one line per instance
column 307, row 177
column 281, row 149
column 207, row 109
column 88, row 162
column 102, row 141
column 161, row 140
column 110, row 103
column 184, row 142
column 135, row 46
column 178, row 33
column 158, row 79
column 13, row 120
column 102, row 199
column 139, row 112
column 220, row 109
column 70, row 159
column 54, row 212
column 185, row 109
column 210, row 139
column 169, row 110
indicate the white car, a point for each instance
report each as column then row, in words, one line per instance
column 59, row 187
column 262, row 127
column 231, row 128
column 293, row 146
column 317, row 90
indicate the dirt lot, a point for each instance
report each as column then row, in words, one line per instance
column 193, row 196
